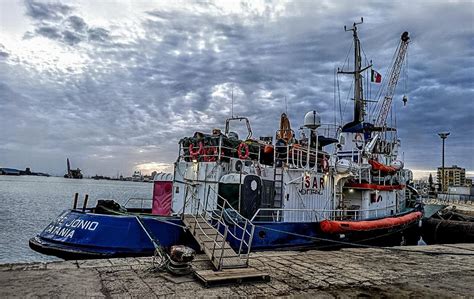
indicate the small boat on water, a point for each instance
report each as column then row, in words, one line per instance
column 334, row 185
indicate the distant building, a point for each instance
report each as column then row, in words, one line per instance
column 454, row 176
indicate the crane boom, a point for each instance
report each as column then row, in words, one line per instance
column 393, row 80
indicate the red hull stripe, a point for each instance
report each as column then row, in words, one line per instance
column 375, row 186
column 336, row 227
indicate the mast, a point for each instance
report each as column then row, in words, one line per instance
column 359, row 102
column 359, row 105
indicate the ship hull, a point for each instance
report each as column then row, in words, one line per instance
column 78, row 235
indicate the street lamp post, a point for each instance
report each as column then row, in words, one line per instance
column 443, row 136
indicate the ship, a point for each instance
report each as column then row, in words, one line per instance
column 333, row 186
column 72, row 173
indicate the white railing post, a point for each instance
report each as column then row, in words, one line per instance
column 249, row 245
column 243, row 236
column 222, row 248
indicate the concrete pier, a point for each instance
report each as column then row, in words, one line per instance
column 438, row 270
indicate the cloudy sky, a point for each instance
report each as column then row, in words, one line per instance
column 114, row 85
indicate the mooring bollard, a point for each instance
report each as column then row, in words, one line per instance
column 74, row 206
column 85, row 203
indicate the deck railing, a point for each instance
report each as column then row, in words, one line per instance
column 278, row 215
column 293, row 155
column 132, row 202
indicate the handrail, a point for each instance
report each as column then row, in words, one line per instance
column 207, row 212
column 137, row 199
column 296, row 157
column 320, row 211
column 219, row 154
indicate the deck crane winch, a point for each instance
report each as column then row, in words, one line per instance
column 393, row 80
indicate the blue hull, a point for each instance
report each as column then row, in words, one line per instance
column 76, row 234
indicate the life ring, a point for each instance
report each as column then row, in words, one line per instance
column 245, row 147
column 359, row 141
column 211, row 154
column 325, row 164
column 195, row 153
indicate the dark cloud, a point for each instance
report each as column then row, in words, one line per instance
column 98, row 34
column 134, row 95
column 49, row 32
column 46, row 11
column 3, row 52
column 57, row 22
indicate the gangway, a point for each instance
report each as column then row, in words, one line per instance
column 208, row 224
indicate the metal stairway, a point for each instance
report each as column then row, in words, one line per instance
column 207, row 226
column 213, row 243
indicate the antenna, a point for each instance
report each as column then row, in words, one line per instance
column 286, row 107
column 354, row 25
column 232, row 110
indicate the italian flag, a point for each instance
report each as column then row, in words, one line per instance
column 376, row 77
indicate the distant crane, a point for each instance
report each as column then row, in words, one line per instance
column 393, row 80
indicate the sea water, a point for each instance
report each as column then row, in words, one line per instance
column 29, row 203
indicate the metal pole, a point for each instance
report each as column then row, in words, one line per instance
column 442, row 169
column 443, row 181
column 74, row 206
column 85, row 203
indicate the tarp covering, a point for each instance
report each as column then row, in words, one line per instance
column 162, row 196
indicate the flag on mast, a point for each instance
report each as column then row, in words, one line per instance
column 376, row 77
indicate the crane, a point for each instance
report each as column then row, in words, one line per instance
column 393, row 80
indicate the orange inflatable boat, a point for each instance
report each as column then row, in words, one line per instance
column 335, row 227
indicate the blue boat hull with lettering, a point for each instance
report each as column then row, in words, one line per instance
column 76, row 235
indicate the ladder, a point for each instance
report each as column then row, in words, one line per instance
column 278, row 179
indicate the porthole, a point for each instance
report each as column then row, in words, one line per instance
column 253, row 185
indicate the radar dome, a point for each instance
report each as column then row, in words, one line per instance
column 397, row 164
column 343, row 166
column 312, row 120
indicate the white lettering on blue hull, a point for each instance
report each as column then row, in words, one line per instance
column 69, row 228
column 60, row 231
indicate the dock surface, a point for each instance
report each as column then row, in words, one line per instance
column 438, row 270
